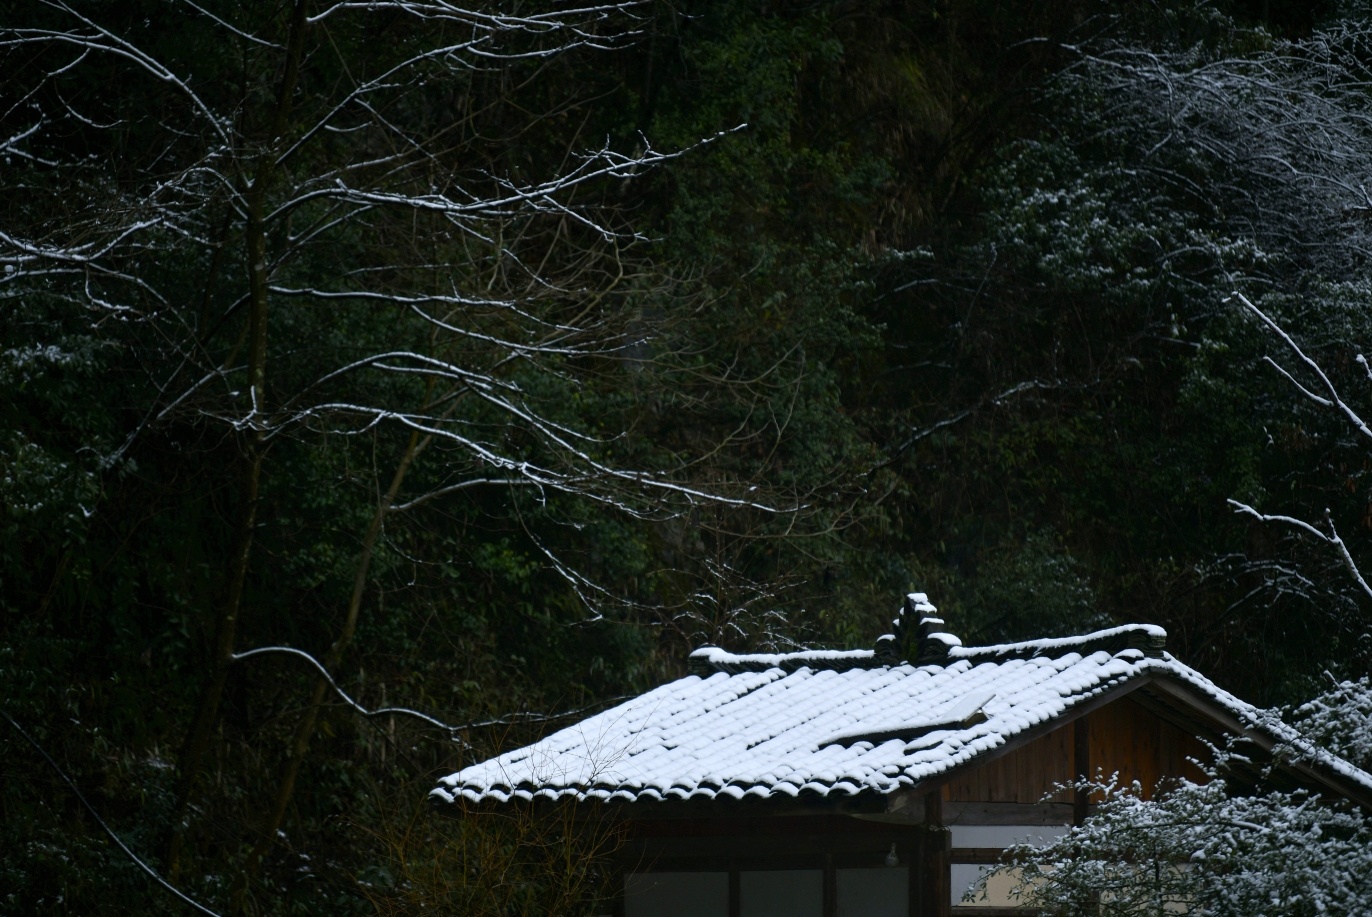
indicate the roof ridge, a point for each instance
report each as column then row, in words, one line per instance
column 1148, row 639
column 708, row 660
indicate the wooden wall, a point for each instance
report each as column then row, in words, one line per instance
column 1122, row 737
column 1126, row 737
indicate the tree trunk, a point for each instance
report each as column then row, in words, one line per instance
column 305, row 730
column 254, row 428
column 198, row 737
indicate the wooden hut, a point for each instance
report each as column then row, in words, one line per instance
column 875, row 782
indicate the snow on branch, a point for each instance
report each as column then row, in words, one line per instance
column 1332, row 539
column 1222, row 847
column 1333, row 400
column 453, row 730
column 954, row 419
column 101, row 39
column 324, row 673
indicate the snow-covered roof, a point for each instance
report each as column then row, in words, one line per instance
column 833, row 723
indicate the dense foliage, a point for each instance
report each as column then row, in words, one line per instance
column 1236, row 845
column 497, row 360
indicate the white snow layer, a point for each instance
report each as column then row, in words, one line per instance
column 771, row 732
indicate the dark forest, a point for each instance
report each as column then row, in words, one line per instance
column 482, row 362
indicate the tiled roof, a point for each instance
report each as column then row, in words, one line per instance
column 828, row 723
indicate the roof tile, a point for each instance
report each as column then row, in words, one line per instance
column 766, row 725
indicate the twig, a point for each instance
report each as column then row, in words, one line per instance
column 994, row 401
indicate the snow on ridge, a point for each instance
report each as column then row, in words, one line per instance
column 714, row 652
column 714, row 659
column 1048, row 644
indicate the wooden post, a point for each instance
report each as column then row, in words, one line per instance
column 1081, row 799
column 1081, row 765
column 930, row 879
column 830, row 887
column 617, row 902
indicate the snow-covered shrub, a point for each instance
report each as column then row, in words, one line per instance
column 1340, row 720
column 1225, row 848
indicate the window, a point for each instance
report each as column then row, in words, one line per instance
column 976, row 851
column 676, row 894
column 781, row 893
column 865, row 892
column 880, row 892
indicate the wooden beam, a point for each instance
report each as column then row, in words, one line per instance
column 1007, row 813
column 1081, row 767
column 976, row 855
column 933, row 808
column 916, row 889
column 760, row 852
column 938, row 877
column 1313, row 773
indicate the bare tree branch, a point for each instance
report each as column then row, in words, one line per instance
column 1332, row 539
column 1334, row 400
column 119, row 842
column 452, row 729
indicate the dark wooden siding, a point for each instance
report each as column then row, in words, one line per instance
column 1022, row 776
column 1122, row 736
column 1140, row 745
